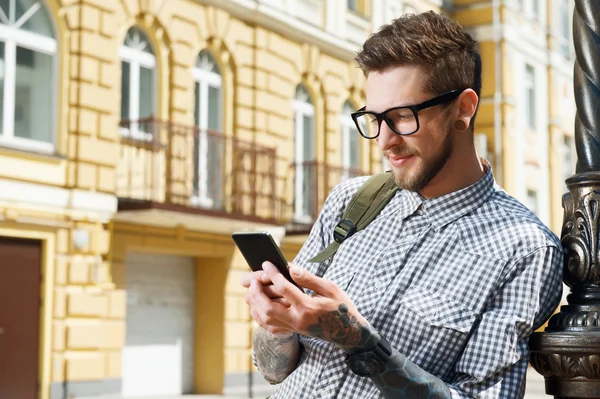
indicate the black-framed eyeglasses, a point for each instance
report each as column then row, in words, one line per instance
column 402, row 120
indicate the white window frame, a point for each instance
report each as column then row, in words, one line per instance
column 13, row 36
column 531, row 122
column 564, row 21
column 302, row 108
column 356, row 8
column 533, row 9
column 205, row 78
column 568, row 158
column 137, row 59
column 533, row 202
column 348, row 129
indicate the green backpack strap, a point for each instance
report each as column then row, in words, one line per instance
column 364, row 206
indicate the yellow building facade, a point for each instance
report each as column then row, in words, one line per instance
column 138, row 135
column 527, row 110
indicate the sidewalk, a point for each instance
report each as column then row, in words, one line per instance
column 535, row 390
column 535, row 386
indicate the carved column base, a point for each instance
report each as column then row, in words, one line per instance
column 567, row 354
column 569, row 362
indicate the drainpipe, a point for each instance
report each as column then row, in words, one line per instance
column 498, row 92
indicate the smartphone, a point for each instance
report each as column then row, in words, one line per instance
column 258, row 247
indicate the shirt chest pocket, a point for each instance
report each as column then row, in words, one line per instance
column 433, row 329
column 438, row 311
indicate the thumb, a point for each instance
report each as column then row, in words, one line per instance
column 306, row 279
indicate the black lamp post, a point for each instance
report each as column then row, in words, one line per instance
column 567, row 353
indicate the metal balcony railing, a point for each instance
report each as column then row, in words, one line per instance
column 198, row 169
column 312, row 181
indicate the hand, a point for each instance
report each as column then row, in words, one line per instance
column 268, row 287
column 329, row 314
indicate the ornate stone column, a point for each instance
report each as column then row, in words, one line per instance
column 567, row 353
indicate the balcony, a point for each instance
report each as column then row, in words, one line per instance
column 312, row 182
column 169, row 171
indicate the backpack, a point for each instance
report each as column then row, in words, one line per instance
column 364, row 206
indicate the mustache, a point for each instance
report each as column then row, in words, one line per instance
column 399, row 152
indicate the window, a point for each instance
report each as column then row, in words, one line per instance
column 304, row 113
column 533, row 8
column 529, row 83
column 532, row 200
column 564, row 25
column 208, row 143
column 568, row 166
column 27, row 71
column 358, row 8
column 138, row 65
column 350, row 144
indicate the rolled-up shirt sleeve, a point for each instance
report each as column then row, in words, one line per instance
column 494, row 361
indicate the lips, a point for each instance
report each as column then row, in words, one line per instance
column 399, row 161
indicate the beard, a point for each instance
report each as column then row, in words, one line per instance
column 422, row 176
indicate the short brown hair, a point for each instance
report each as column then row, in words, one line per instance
column 446, row 53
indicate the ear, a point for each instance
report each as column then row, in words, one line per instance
column 467, row 105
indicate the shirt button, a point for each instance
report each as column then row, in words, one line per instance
column 378, row 283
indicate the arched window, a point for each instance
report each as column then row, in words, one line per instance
column 350, row 143
column 138, row 84
column 27, row 75
column 304, row 115
column 208, row 140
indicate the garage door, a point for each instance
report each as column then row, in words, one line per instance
column 158, row 358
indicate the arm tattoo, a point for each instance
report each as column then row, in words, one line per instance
column 340, row 328
column 275, row 358
column 402, row 379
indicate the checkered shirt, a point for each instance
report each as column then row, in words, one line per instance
column 456, row 283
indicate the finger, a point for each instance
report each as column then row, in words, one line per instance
column 248, row 277
column 272, row 329
column 282, row 301
column 256, row 317
column 277, row 330
column 272, row 313
column 306, row 279
column 286, row 289
column 271, row 291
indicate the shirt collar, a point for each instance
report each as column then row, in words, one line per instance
column 445, row 209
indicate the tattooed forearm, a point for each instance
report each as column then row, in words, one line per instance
column 275, row 358
column 403, row 379
column 341, row 328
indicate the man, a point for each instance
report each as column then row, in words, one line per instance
column 437, row 296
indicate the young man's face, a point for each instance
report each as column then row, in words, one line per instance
column 417, row 158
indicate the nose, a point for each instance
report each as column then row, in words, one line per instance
column 388, row 138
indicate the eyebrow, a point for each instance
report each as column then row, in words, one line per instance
column 365, row 109
column 408, row 104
